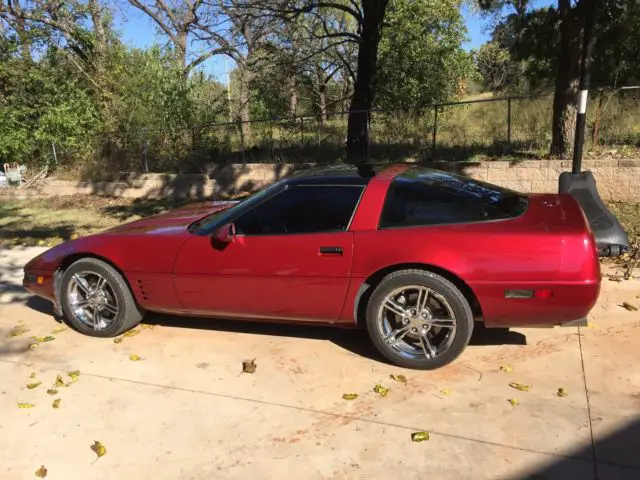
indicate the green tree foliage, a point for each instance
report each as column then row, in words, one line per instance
column 421, row 59
column 529, row 44
column 41, row 104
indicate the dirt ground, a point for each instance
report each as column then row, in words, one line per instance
column 185, row 411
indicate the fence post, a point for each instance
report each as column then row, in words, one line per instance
column 302, row 128
column 509, row 120
column 435, row 129
column 55, row 155
column 144, row 154
column 244, row 159
column 273, row 146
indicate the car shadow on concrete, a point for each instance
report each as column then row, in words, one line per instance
column 352, row 339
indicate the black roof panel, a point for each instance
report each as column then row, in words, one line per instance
column 342, row 174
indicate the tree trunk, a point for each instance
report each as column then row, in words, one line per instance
column 181, row 50
column 322, row 102
column 243, row 107
column 567, row 79
column 293, row 95
column 366, row 77
column 23, row 37
column 321, row 90
column 595, row 131
column 100, row 52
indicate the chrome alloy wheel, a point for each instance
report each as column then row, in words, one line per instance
column 92, row 300
column 416, row 322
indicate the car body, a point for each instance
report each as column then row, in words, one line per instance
column 313, row 248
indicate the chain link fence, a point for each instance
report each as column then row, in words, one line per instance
column 449, row 131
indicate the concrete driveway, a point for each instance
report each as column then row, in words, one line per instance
column 185, row 411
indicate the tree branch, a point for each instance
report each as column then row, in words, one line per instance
column 154, row 15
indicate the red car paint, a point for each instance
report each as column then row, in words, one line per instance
column 549, row 249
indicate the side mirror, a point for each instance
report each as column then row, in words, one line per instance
column 226, row 234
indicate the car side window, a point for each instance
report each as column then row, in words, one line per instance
column 302, row 209
column 442, row 199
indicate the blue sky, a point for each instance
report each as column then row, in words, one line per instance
column 139, row 31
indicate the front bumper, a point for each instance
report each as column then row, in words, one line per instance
column 44, row 284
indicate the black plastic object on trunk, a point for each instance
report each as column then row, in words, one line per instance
column 611, row 238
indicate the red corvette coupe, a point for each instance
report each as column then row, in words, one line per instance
column 415, row 255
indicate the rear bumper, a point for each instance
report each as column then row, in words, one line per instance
column 581, row 322
column 569, row 305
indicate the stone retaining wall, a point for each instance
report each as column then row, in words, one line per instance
column 618, row 179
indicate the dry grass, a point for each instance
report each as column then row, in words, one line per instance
column 50, row 221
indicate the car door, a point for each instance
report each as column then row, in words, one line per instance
column 290, row 259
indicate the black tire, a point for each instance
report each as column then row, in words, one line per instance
column 128, row 315
column 442, row 286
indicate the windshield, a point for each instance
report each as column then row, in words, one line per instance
column 210, row 223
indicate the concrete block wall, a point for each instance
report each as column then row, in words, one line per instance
column 618, row 179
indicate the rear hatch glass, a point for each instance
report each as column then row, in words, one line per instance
column 423, row 196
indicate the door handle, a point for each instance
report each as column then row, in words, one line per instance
column 330, row 250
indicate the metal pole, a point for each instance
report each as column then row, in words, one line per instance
column 509, row 120
column 302, row 128
column 585, row 78
column 435, row 129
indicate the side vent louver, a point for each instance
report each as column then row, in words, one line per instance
column 143, row 291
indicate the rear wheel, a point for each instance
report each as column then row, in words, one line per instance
column 96, row 300
column 418, row 319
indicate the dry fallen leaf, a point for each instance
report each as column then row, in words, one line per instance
column 506, row 368
column 58, row 330
column 349, row 396
column 146, row 326
column 629, row 307
column 33, row 375
column 117, row 339
column 131, row 333
column 17, row 331
column 48, row 338
column 99, row 449
column 562, row 392
column 520, row 386
column 445, row 391
column 134, row 358
column 513, row 401
column 32, row 346
column 33, row 385
column 59, row 382
column 419, row 436
column 52, row 391
column 398, row 378
column 56, row 403
column 74, row 375
column 249, row 366
column 41, row 472
column 26, row 405
column 380, row 390
column 592, row 326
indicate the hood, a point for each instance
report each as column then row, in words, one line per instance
column 173, row 221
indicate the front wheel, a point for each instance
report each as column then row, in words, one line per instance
column 96, row 300
column 419, row 319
